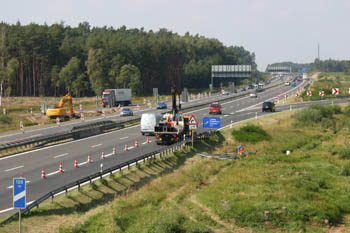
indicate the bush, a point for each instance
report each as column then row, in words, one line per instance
column 344, row 153
column 315, row 114
column 345, row 170
column 251, row 133
column 5, row 119
column 29, row 123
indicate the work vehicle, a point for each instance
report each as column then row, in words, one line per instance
column 215, row 108
column 126, row 112
column 161, row 105
column 148, row 122
column 173, row 126
column 58, row 110
column 116, row 97
column 268, row 106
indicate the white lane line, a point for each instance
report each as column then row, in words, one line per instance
column 146, row 142
column 79, row 164
column 124, row 138
column 11, row 208
column 96, row 145
column 10, row 187
column 232, row 113
column 107, row 155
column 52, row 173
column 131, row 147
column 11, row 169
column 57, row 156
column 225, row 115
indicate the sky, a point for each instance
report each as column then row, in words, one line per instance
column 275, row 30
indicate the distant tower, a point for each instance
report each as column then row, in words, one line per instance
column 318, row 51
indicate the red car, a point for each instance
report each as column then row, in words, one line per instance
column 215, row 108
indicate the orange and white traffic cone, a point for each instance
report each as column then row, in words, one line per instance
column 103, row 154
column 126, row 147
column 114, row 151
column 60, row 169
column 43, row 174
column 89, row 158
column 75, row 163
column 147, row 140
column 136, row 143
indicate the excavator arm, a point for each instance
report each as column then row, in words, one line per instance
column 59, row 110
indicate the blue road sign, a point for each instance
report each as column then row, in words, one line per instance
column 19, row 193
column 211, row 122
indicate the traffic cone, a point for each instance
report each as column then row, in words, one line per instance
column 103, row 154
column 20, row 174
column 60, row 169
column 43, row 174
column 136, row 143
column 147, row 140
column 75, row 163
column 114, row 152
column 89, row 158
column 126, row 147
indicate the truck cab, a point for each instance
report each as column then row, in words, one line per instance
column 215, row 108
column 108, row 98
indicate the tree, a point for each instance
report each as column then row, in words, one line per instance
column 11, row 74
column 69, row 73
column 347, row 67
column 129, row 77
column 97, row 70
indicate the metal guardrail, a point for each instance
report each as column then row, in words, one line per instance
column 90, row 178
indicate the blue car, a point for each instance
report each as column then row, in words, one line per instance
column 161, row 105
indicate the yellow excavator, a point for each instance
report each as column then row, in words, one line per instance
column 58, row 110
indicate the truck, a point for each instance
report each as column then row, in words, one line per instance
column 58, row 110
column 116, row 97
column 173, row 126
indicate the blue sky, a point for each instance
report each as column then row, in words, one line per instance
column 276, row 30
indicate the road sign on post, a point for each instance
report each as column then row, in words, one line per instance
column 193, row 121
column 19, row 196
column 321, row 93
column 335, row 91
column 309, row 93
column 211, row 122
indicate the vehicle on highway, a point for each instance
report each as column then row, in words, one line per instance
column 116, row 97
column 148, row 122
column 268, row 106
column 250, row 86
column 162, row 105
column 225, row 92
column 126, row 112
column 287, row 83
column 243, row 89
column 253, row 95
column 215, row 108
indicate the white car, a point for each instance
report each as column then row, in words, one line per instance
column 287, row 83
column 253, row 95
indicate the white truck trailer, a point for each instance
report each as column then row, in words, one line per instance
column 116, row 97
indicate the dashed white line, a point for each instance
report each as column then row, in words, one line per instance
column 57, row 156
column 124, row 137
column 52, row 173
column 96, row 145
column 11, row 169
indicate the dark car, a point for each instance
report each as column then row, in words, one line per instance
column 268, row 106
column 161, row 105
column 250, row 86
column 243, row 89
column 126, row 112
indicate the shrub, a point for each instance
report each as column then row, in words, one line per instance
column 345, row 170
column 5, row 119
column 344, row 153
column 315, row 114
column 29, row 123
column 251, row 133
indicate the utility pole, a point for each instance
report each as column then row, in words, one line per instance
column 2, row 62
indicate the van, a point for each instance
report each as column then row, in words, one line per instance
column 148, row 122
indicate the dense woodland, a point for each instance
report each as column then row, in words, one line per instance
column 329, row 65
column 42, row 60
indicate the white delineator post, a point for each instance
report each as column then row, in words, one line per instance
column 21, row 126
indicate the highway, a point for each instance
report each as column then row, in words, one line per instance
column 30, row 163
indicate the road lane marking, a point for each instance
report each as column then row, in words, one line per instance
column 131, row 147
column 124, row 137
column 11, row 169
column 52, row 173
column 57, row 156
column 10, row 187
column 96, row 145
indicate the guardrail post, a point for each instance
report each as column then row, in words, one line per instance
column 90, row 179
column 52, row 196
column 78, row 185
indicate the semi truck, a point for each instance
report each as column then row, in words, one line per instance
column 116, row 97
column 173, row 126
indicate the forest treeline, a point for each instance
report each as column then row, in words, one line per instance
column 42, row 60
column 329, row 65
